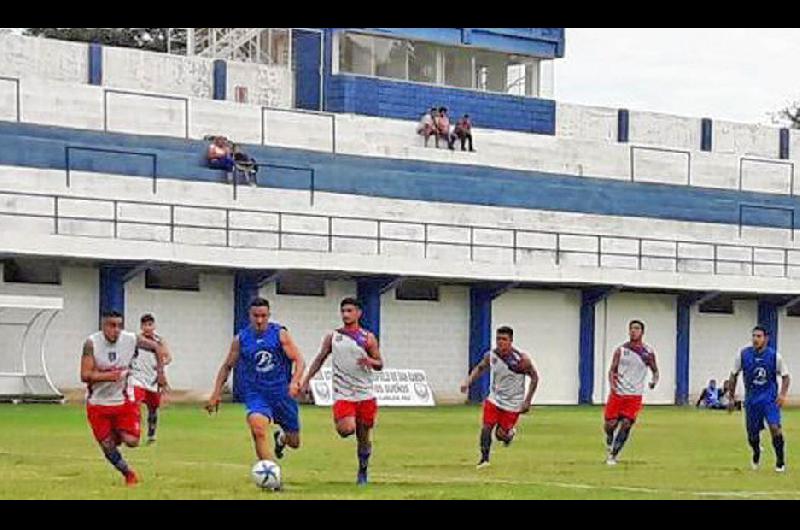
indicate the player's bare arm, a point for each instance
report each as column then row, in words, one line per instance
column 324, row 351
column 89, row 373
column 785, row 381
column 534, row 375
column 732, row 380
column 222, row 376
column 653, row 368
column 613, row 370
column 475, row 373
column 294, row 354
column 167, row 352
column 373, row 359
column 158, row 348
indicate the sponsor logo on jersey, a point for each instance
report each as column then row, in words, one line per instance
column 264, row 361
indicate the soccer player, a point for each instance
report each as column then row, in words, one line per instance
column 355, row 356
column 269, row 368
column 507, row 397
column 627, row 375
column 110, row 404
column 761, row 366
column 144, row 373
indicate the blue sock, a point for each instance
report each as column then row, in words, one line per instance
column 363, row 459
column 115, row 457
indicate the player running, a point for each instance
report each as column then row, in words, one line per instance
column 355, row 356
column 144, row 373
column 110, row 404
column 761, row 366
column 269, row 368
column 507, row 397
column 627, row 375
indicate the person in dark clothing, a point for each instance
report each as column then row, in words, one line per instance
column 464, row 132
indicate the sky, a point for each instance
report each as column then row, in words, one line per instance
column 736, row 74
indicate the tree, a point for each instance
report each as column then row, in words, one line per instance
column 152, row 39
column 791, row 114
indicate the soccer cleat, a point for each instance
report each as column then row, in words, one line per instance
column 754, row 466
column 278, row 445
column 611, row 460
column 131, row 479
column 483, row 463
column 151, row 440
column 780, row 469
column 361, row 480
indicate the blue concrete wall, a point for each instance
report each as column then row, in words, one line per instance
column 43, row 147
column 406, row 101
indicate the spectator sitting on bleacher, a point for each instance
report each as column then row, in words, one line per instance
column 245, row 165
column 442, row 122
column 710, row 397
column 220, row 157
column 464, row 132
column 426, row 127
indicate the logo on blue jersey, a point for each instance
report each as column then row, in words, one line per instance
column 760, row 376
column 264, row 361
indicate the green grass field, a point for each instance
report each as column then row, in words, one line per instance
column 47, row 452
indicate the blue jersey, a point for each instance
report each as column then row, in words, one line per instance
column 760, row 371
column 263, row 367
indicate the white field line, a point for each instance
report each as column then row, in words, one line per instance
column 471, row 480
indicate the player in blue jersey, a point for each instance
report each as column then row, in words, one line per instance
column 268, row 367
column 761, row 365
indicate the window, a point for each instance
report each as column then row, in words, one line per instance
column 721, row 304
column 31, row 271
column 391, row 58
column 419, row 290
column 458, row 67
column 422, row 62
column 172, row 278
column 355, row 54
column 300, row 285
column 422, row 59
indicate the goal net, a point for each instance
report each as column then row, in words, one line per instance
column 24, row 322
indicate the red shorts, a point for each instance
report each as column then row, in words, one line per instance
column 623, row 406
column 493, row 415
column 148, row 397
column 105, row 419
column 363, row 411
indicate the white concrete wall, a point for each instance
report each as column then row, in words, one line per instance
column 266, row 84
column 547, row 326
column 309, row 318
column 132, row 69
column 715, row 339
column 658, row 312
column 789, row 347
column 432, row 336
column 44, row 58
column 79, row 290
column 197, row 325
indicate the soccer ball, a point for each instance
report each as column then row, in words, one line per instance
column 267, row 475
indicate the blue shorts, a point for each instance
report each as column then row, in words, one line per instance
column 759, row 412
column 282, row 410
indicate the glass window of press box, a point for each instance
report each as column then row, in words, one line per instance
column 423, row 62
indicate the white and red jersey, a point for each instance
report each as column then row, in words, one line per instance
column 144, row 368
column 634, row 362
column 506, row 381
column 110, row 356
column 351, row 381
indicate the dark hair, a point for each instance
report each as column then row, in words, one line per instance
column 259, row 302
column 505, row 330
column 761, row 328
column 113, row 313
column 442, row 109
column 147, row 317
column 351, row 301
column 632, row 322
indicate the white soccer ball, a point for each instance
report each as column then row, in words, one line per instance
column 267, row 475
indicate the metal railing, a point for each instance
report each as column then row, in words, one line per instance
column 688, row 154
column 789, row 163
column 184, row 99
column 68, row 159
column 18, row 94
column 673, row 255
